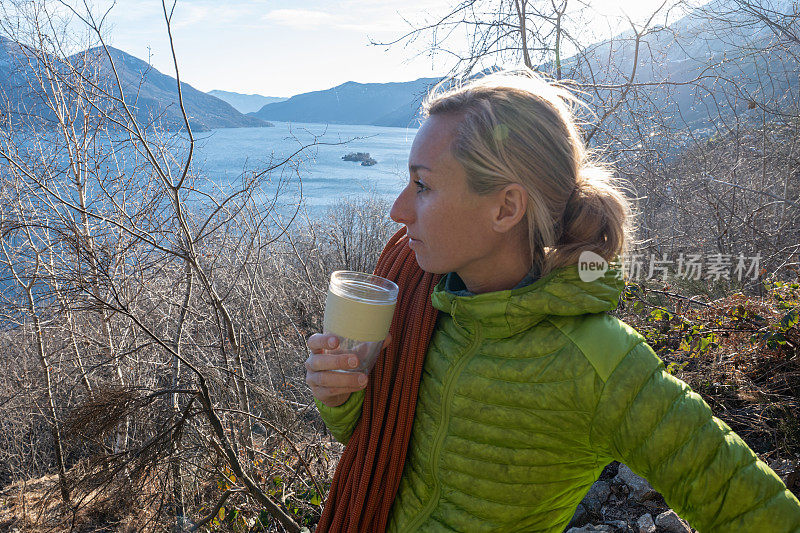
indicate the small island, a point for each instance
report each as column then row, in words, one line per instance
column 364, row 157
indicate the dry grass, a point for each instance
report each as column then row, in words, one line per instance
column 100, row 502
column 36, row 506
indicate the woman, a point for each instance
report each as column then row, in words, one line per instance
column 527, row 388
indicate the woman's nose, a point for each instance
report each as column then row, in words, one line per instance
column 401, row 211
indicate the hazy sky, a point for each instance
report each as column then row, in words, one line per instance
column 282, row 48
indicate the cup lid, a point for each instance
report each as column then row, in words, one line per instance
column 363, row 287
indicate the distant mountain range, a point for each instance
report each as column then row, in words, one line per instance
column 246, row 103
column 671, row 63
column 151, row 95
column 377, row 104
column 703, row 68
column 693, row 47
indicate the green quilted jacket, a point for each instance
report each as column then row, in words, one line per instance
column 527, row 394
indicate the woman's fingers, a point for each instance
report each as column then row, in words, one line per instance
column 327, row 385
column 320, row 341
column 346, row 381
column 325, row 382
column 319, row 362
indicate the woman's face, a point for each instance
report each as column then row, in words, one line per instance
column 449, row 226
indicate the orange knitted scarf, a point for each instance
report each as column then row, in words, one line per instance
column 368, row 474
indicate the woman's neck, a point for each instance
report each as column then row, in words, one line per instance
column 506, row 269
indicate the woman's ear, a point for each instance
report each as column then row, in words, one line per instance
column 512, row 204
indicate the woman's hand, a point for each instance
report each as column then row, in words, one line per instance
column 328, row 386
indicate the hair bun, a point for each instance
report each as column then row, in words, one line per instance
column 597, row 222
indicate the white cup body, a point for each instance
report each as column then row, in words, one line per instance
column 359, row 309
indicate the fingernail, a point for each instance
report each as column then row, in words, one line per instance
column 332, row 342
column 362, row 380
column 353, row 362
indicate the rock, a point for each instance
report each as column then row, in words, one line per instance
column 591, row 528
column 364, row 157
column 653, row 505
column 618, row 525
column 640, row 489
column 645, row 524
column 672, row 523
column 598, row 495
column 579, row 518
column 789, row 471
column 356, row 156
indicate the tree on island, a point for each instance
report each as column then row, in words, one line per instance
column 364, row 157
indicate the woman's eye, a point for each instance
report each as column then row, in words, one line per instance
column 420, row 186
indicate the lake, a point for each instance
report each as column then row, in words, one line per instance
column 222, row 156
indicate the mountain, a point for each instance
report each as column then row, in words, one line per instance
column 246, row 103
column 155, row 97
column 714, row 63
column 686, row 73
column 375, row 104
column 151, row 95
column 18, row 94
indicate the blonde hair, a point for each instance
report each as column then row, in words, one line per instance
column 516, row 127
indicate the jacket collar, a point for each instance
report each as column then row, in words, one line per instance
column 505, row 313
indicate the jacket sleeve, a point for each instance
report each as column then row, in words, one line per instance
column 342, row 419
column 666, row 433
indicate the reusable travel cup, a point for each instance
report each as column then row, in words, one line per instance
column 359, row 309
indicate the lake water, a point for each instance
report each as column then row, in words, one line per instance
column 223, row 155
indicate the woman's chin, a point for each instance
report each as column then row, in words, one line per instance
column 420, row 261
column 428, row 267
